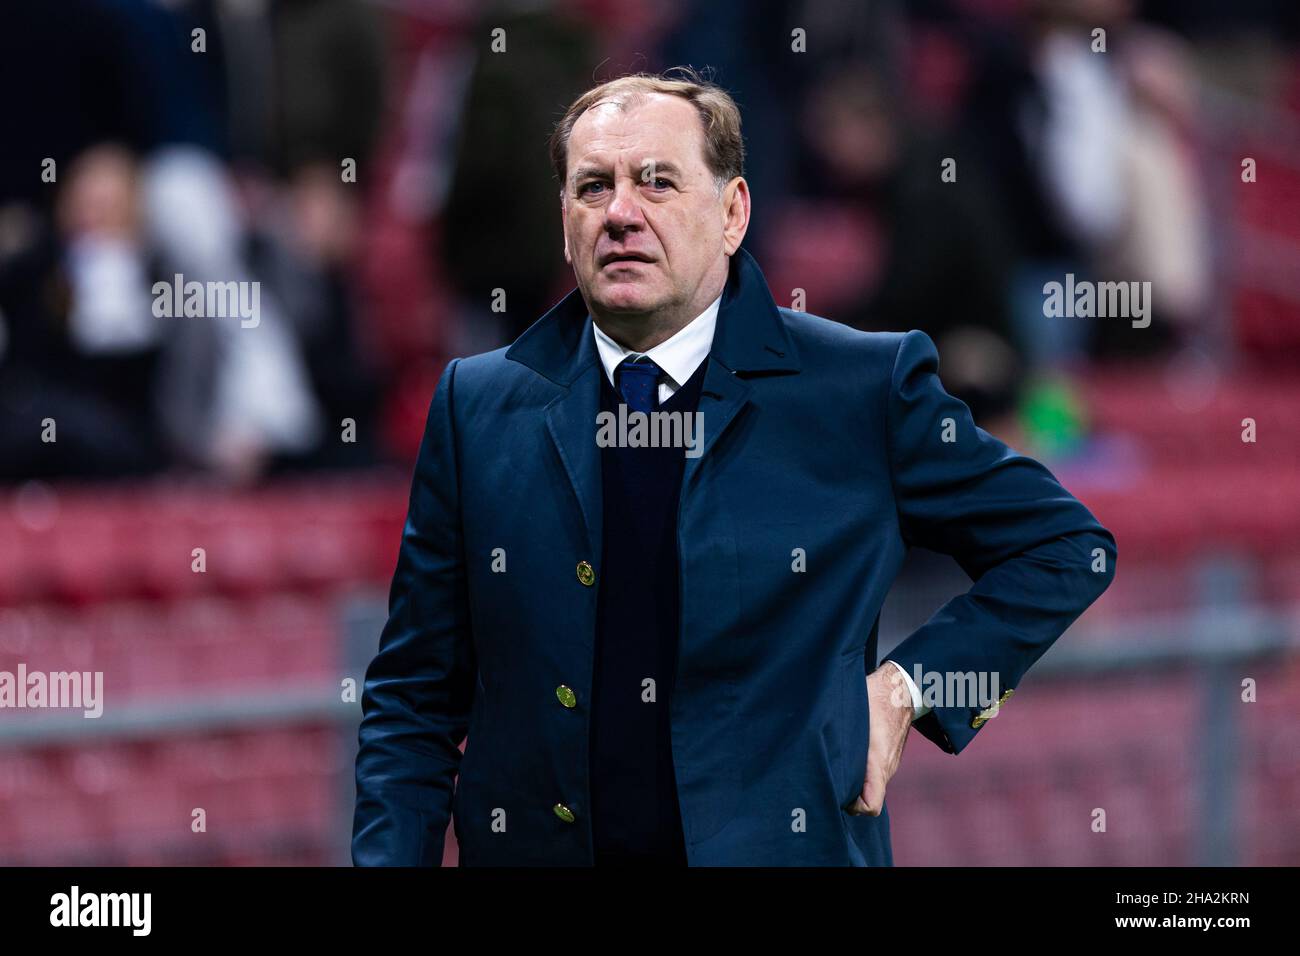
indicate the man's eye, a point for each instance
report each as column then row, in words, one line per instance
column 666, row 183
column 582, row 190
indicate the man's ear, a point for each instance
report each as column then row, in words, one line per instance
column 564, row 225
column 735, row 214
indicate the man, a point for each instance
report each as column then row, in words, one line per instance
column 660, row 654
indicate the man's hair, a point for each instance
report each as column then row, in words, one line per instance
column 724, row 148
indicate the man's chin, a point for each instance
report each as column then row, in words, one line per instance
column 628, row 301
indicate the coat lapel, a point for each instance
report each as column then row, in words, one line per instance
column 750, row 338
column 560, row 346
column 722, row 396
column 571, row 420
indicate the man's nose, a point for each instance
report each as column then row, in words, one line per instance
column 624, row 209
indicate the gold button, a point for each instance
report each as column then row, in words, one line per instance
column 586, row 574
column 984, row 715
column 563, row 812
column 567, row 697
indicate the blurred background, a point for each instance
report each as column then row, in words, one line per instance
column 349, row 157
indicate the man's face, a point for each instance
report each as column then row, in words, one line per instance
column 643, row 222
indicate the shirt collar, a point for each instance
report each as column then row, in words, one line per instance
column 678, row 356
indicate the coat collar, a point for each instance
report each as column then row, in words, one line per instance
column 750, row 335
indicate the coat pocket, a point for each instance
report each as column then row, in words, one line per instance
column 855, row 729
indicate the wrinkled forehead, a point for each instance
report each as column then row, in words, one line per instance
column 639, row 127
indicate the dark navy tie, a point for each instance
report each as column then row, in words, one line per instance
column 638, row 383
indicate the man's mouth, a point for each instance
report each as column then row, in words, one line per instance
column 623, row 258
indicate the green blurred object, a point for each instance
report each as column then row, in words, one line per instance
column 1053, row 417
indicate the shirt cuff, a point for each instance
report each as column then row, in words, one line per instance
column 919, row 709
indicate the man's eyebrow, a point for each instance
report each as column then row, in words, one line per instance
column 662, row 166
column 583, row 172
column 600, row 172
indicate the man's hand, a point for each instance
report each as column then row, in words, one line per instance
column 890, row 704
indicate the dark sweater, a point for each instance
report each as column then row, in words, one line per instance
column 635, row 814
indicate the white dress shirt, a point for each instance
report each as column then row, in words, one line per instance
column 679, row 356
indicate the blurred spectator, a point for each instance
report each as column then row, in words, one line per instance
column 1093, row 161
column 234, row 396
column 1118, row 154
column 304, row 257
column 82, row 347
column 501, row 221
column 949, row 281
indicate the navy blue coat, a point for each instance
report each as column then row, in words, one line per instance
column 817, row 437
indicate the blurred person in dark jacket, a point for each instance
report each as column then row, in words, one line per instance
column 512, row 98
column 82, row 347
column 944, row 261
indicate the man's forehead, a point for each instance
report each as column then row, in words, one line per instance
column 665, row 128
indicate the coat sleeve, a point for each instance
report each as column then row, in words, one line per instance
column 1036, row 556
column 419, row 688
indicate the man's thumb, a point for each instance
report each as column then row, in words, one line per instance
column 872, row 797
